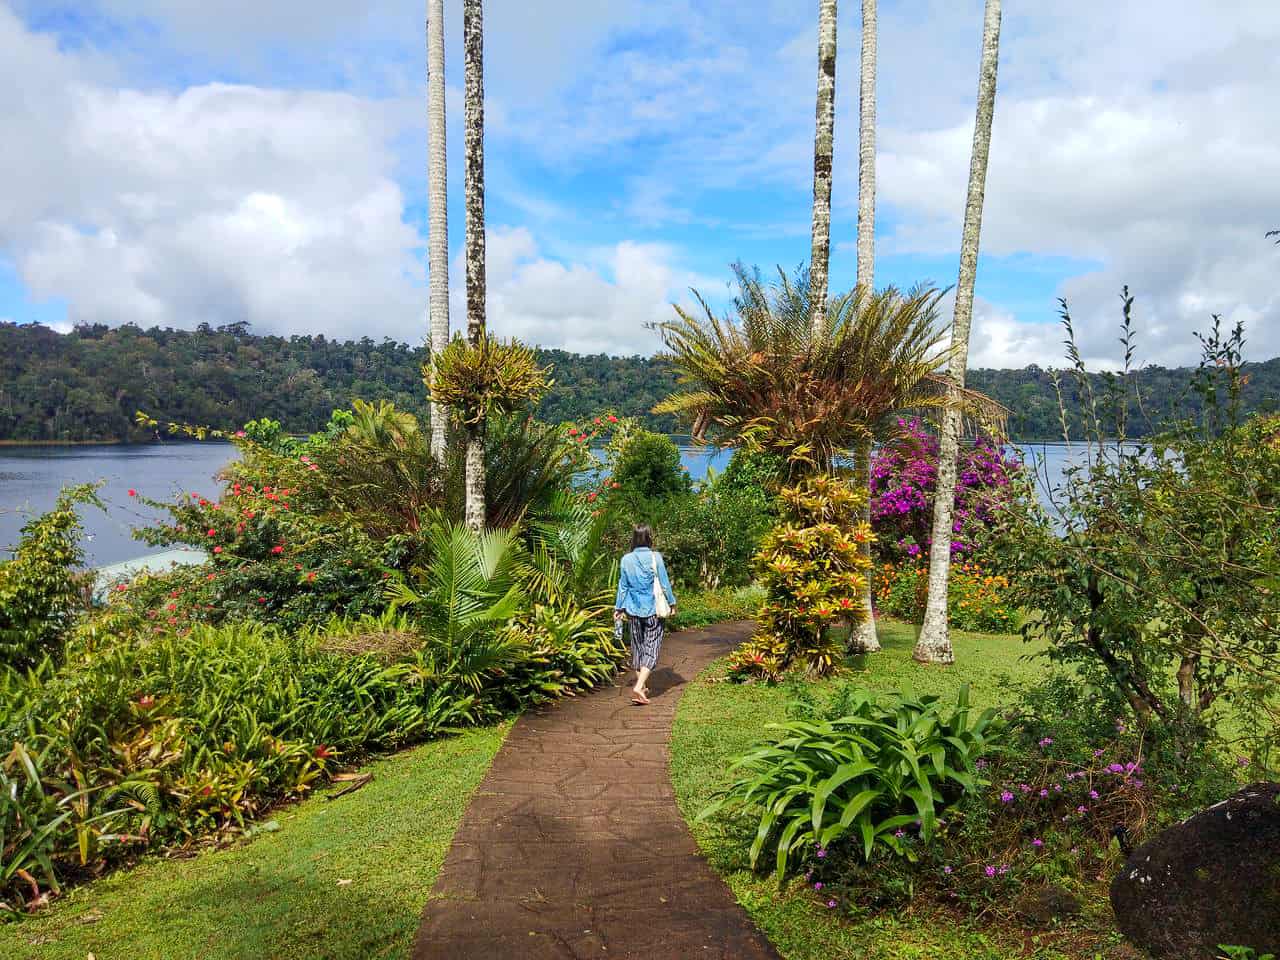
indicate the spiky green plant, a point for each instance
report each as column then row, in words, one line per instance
column 767, row 380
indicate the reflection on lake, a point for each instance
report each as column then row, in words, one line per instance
column 30, row 478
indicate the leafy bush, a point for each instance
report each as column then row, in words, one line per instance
column 977, row 600
column 527, row 465
column 649, row 467
column 1160, row 570
column 813, row 574
column 860, row 780
column 39, row 591
column 198, row 733
column 704, row 608
column 1070, row 773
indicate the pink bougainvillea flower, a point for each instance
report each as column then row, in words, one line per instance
column 277, row 549
column 217, row 549
column 213, row 533
column 133, row 492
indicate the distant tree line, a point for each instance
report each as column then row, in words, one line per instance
column 88, row 384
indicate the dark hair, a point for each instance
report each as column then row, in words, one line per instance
column 642, row 536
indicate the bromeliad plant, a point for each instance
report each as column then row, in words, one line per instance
column 879, row 772
column 814, row 575
column 481, row 380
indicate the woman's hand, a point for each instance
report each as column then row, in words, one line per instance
column 618, row 614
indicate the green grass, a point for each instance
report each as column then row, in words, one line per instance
column 717, row 722
column 284, row 894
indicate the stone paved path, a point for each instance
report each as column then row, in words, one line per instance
column 573, row 846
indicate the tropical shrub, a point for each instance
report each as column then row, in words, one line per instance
column 703, row 608
column 528, row 464
column 814, row 576
column 201, row 732
column 39, row 590
column 863, row 780
column 1159, row 571
column 1062, row 792
column 976, row 598
column 649, row 468
column 904, row 475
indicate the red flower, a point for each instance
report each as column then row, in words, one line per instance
column 146, row 701
column 217, row 549
column 323, row 752
column 262, row 599
column 203, row 502
column 573, row 431
column 596, row 421
column 845, row 602
column 133, row 492
column 171, row 606
column 311, row 575
column 612, row 418
column 211, row 576
column 207, row 791
column 277, row 549
column 213, row 533
column 592, row 496
column 122, row 587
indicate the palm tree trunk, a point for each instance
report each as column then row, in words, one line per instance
column 437, row 201
column 934, row 644
column 473, row 125
column 823, row 141
column 864, row 637
column 867, row 151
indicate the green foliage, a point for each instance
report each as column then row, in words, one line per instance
column 862, row 778
column 39, row 591
column 407, row 814
column 527, row 465
column 649, row 467
column 1160, row 570
column 481, row 380
column 814, row 575
column 769, row 382
column 86, row 384
column 704, row 608
column 201, row 732
column 977, row 599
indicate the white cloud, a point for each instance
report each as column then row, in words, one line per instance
column 599, row 306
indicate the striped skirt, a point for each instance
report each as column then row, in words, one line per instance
column 646, row 641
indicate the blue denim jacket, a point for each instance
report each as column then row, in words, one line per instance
column 635, row 583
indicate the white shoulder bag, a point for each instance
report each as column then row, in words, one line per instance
column 661, row 608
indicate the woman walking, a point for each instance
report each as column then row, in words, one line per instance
column 645, row 596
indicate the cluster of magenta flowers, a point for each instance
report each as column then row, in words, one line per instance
column 904, row 475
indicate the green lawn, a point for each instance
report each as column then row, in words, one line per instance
column 340, row 879
column 717, row 722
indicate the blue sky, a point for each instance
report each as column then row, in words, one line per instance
column 182, row 162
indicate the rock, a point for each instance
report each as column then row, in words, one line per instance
column 1212, row 879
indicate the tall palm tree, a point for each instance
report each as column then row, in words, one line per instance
column 823, row 147
column 437, row 201
column 934, row 643
column 865, row 637
column 473, row 125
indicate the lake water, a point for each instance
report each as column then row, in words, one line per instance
column 30, row 478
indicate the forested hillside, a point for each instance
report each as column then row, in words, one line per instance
column 87, row 385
